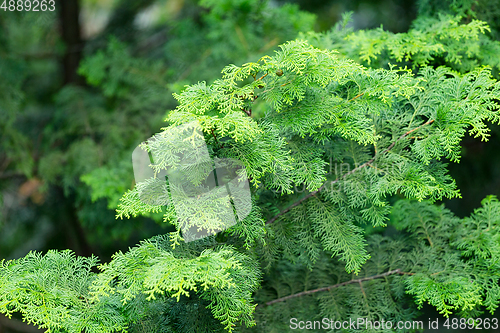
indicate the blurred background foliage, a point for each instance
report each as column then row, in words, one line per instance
column 81, row 87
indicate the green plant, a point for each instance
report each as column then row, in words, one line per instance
column 346, row 165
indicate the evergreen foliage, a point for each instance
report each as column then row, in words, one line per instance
column 439, row 40
column 338, row 147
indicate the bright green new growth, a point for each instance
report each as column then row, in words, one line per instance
column 462, row 47
column 52, row 291
column 367, row 144
column 58, row 291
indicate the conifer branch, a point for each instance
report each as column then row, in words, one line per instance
column 308, row 292
column 348, row 173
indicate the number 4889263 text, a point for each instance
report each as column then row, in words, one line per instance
column 28, row 5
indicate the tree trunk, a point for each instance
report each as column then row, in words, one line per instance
column 69, row 12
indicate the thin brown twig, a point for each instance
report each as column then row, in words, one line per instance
column 215, row 137
column 309, row 292
column 263, row 76
column 348, row 173
column 357, row 96
column 248, row 111
column 216, row 140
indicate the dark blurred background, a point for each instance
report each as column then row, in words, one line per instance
column 82, row 85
